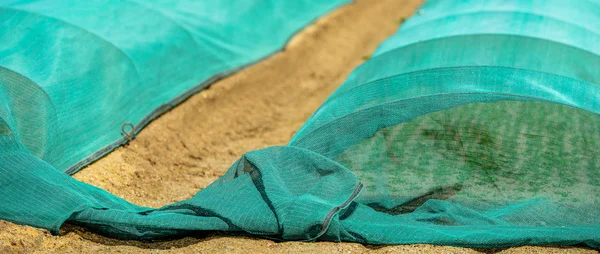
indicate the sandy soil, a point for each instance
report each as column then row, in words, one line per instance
column 263, row 105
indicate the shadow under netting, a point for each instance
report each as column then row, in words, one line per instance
column 513, row 162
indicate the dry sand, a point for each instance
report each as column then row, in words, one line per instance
column 186, row 149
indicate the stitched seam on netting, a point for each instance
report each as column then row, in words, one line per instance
column 419, row 43
column 327, row 221
column 421, row 97
column 451, row 68
column 427, row 70
column 462, row 14
column 589, row 1
column 336, row 94
column 194, row 90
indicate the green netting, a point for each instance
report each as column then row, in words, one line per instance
column 475, row 125
column 73, row 72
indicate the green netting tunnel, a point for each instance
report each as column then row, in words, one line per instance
column 475, row 125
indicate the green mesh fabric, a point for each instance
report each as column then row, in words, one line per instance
column 73, row 72
column 476, row 125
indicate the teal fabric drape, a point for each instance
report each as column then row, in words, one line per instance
column 475, row 125
column 73, row 72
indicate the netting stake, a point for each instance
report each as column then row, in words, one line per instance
column 129, row 134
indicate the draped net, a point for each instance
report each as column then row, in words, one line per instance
column 476, row 124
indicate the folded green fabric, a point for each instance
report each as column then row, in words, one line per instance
column 475, row 125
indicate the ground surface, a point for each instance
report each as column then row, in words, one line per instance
column 263, row 105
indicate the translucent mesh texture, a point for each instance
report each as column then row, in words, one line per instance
column 74, row 72
column 475, row 125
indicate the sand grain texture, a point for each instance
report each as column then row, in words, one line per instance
column 186, row 149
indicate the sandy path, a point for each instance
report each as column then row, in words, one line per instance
column 263, row 105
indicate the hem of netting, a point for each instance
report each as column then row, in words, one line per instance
column 589, row 236
column 297, row 142
column 186, row 95
column 155, row 114
column 339, row 94
column 327, row 221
